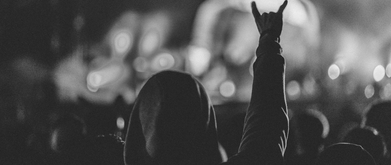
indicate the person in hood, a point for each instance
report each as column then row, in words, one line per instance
column 173, row 122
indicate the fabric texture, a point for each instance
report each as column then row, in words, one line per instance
column 172, row 122
column 266, row 124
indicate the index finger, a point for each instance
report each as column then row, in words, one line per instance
column 282, row 7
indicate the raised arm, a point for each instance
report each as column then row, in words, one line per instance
column 265, row 130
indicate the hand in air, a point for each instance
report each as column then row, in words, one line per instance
column 271, row 22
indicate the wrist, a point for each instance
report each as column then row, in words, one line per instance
column 270, row 35
column 268, row 44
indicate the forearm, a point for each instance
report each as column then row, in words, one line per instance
column 266, row 124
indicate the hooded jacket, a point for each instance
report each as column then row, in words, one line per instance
column 172, row 122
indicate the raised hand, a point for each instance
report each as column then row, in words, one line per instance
column 269, row 22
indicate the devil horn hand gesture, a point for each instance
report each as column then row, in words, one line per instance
column 271, row 22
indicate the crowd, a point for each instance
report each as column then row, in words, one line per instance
column 173, row 122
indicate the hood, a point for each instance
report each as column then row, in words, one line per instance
column 172, row 122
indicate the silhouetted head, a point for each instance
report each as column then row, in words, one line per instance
column 105, row 149
column 370, row 139
column 312, row 128
column 68, row 132
column 379, row 117
column 345, row 154
column 172, row 122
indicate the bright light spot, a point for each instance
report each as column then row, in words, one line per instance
column 369, row 91
column 150, row 42
column 227, row 89
column 120, row 123
column 163, row 61
column 97, row 79
column 140, row 64
column 388, row 70
column 122, row 42
column 334, row 71
column 378, row 73
column 293, row 90
column 93, row 81
column 199, row 59
column 386, row 92
column 129, row 95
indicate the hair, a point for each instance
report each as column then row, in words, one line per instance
column 370, row 139
column 345, row 154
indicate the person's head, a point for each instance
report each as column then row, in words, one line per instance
column 105, row 149
column 311, row 128
column 172, row 122
column 379, row 116
column 345, row 154
column 370, row 139
column 67, row 134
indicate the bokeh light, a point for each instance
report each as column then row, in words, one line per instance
column 386, row 92
column 378, row 73
column 199, row 59
column 140, row 64
column 120, row 123
column 334, row 71
column 97, row 79
column 227, row 89
column 388, row 70
column 122, row 42
column 369, row 91
column 163, row 61
column 293, row 90
column 149, row 42
column 93, row 81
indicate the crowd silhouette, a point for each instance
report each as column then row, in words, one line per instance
column 173, row 122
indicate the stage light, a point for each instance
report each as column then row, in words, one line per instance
column 293, row 90
column 93, row 81
column 369, row 91
column 163, row 61
column 334, row 71
column 150, row 42
column 122, row 42
column 378, row 73
column 227, row 89
column 99, row 78
column 120, row 123
column 386, row 92
column 388, row 70
column 140, row 64
column 199, row 59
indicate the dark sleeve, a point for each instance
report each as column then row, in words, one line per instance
column 265, row 129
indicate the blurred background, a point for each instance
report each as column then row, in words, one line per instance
column 89, row 58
